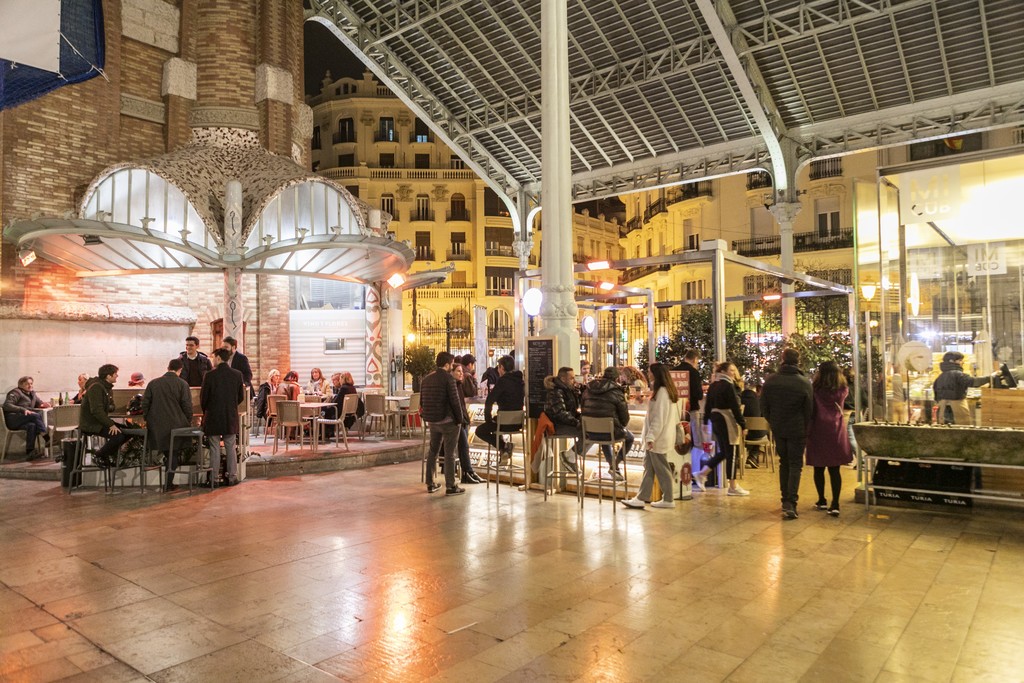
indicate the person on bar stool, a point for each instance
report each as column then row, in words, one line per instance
column 508, row 393
column 951, row 387
column 605, row 397
column 223, row 389
column 563, row 409
column 167, row 405
column 441, row 408
column 19, row 413
column 95, row 414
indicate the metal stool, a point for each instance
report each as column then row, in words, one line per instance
column 77, row 465
column 119, row 466
column 196, row 466
column 593, row 429
column 552, row 458
column 507, row 422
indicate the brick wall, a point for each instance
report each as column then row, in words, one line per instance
column 226, row 53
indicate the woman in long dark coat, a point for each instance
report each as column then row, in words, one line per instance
column 828, row 446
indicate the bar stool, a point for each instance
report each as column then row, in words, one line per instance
column 594, row 429
column 83, row 447
column 120, row 465
column 552, row 458
column 508, row 423
column 195, row 434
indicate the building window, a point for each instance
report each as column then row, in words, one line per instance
column 493, row 205
column 346, row 160
column 421, row 132
column 458, row 211
column 649, row 252
column 826, row 213
column 458, row 243
column 387, row 203
column 499, row 324
column 353, row 190
column 499, row 281
column 316, row 137
column 423, row 250
column 694, row 289
column 456, row 163
column 693, row 241
column 423, row 212
column 422, row 161
column 346, row 131
column 498, row 242
column 387, row 160
column 386, row 129
column 458, row 278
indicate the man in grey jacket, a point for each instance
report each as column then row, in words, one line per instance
column 787, row 401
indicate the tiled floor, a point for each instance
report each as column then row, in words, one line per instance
column 361, row 575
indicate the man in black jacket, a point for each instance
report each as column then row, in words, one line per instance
column 194, row 363
column 563, row 409
column 223, row 390
column 508, row 394
column 787, row 401
column 238, row 360
column 689, row 364
column 441, row 408
column 605, row 398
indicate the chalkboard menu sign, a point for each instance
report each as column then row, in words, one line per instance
column 540, row 363
column 681, row 378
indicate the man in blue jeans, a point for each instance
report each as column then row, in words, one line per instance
column 442, row 409
column 787, row 401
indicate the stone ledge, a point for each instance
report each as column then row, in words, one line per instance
column 120, row 313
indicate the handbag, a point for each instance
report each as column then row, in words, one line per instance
column 684, row 440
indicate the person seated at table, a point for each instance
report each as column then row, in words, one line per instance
column 266, row 389
column 95, row 420
column 343, row 384
column 508, row 394
column 20, row 413
column 604, row 397
column 289, row 387
column 82, row 379
column 318, row 384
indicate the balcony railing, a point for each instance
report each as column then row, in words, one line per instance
column 634, row 223
column 457, row 215
column 769, row 245
column 421, row 137
column 826, row 168
column 385, row 136
column 458, row 255
column 424, row 254
column 398, row 173
column 631, row 274
column 759, row 180
column 338, row 137
column 694, row 190
column 660, row 206
column 422, row 215
column 495, row 249
column 445, row 290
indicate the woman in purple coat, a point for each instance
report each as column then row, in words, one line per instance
column 828, row 445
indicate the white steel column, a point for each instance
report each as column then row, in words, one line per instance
column 558, row 311
column 785, row 213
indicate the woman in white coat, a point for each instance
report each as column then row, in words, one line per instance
column 658, row 437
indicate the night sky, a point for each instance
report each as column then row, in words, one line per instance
column 325, row 52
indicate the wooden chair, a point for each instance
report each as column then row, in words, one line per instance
column 766, row 443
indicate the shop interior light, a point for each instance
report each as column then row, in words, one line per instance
column 26, row 256
column 638, row 305
column 607, row 286
column 598, row 265
column 771, row 297
column 396, row 280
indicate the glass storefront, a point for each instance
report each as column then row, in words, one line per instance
column 940, row 251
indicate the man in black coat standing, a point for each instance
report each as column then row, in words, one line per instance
column 787, row 401
column 442, row 409
column 167, row 405
column 223, row 389
column 508, row 393
column 238, row 360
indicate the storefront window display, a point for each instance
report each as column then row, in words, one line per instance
column 940, row 251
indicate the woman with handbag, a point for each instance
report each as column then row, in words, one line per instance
column 828, row 446
column 658, row 437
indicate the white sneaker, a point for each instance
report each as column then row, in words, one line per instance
column 698, row 481
column 663, row 504
column 635, row 503
column 738, row 491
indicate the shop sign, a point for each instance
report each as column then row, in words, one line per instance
column 987, row 258
column 932, row 195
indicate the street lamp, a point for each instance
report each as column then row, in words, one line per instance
column 532, row 300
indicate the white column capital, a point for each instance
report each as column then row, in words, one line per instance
column 273, row 83
column 179, row 78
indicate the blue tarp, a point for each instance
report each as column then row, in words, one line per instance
column 81, row 56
